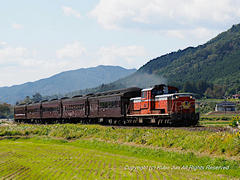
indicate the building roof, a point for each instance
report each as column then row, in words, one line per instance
column 226, row 103
column 236, row 95
column 147, row 89
column 176, row 94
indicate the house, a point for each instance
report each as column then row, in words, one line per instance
column 225, row 106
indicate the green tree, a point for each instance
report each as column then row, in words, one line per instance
column 27, row 100
column 5, row 110
column 217, row 91
column 37, row 97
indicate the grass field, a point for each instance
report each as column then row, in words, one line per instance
column 218, row 119
column 74, row 151
column 54, row 159
column 220, row 116
column 215, row 123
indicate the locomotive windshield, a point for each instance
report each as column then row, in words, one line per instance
column 172, row 91
column 163, row 89
column 156, row 92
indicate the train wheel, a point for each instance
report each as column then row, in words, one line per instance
column 124, row 122
column 110, row 122
column 120, row 122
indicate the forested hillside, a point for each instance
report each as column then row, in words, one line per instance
column 216, row 62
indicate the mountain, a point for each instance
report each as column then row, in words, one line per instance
column 213, row 67
column 217, row 61
column 65, row 82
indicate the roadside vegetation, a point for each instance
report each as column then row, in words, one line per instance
column 198, row 141
column 235, row 122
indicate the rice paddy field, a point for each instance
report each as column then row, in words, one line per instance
column 218, row 120
column 75, row 151
column 214, row 123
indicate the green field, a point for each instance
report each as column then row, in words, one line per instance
column 95, row 152
column 46, row 159
column 214, row 123
column 218, row 120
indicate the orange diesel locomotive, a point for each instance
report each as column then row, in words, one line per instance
column 163, row 105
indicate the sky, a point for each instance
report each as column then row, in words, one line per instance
column 41, row 38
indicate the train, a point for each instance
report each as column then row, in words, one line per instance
column 160, row 105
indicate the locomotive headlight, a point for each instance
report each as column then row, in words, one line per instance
column 177, row 97
column 191, row 97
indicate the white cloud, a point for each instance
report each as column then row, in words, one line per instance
column 68, row 11
column 74, row 50
column 176, row 33
column 172, row 16
column 29, row 69
column 126, row 56
column 196, row 33
column 17, row 26
column 2, row 44
column 12, row 54
column 20, row 64
column 20, row 57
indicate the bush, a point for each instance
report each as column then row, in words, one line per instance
column 235, row 121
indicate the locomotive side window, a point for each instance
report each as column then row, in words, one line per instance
column 172, row 91
column 144, row 94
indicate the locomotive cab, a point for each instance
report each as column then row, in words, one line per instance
column 164, row 104
column 146, row 104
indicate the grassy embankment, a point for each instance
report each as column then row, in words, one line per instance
column 83, row 151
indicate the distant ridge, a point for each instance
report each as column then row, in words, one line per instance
column 65, row 82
